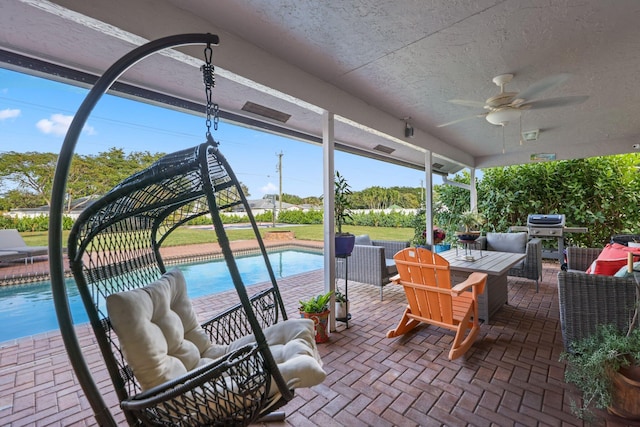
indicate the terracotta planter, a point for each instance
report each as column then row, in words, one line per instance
column 320, row 324
column 626, row 393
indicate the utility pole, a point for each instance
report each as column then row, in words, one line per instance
column 279, row 170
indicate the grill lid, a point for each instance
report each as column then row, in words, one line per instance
column 550, row 220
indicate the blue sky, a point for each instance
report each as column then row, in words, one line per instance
column 35, row 114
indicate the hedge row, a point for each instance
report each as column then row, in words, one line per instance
column 370, row 219
column 38, row 223
column 393, row 219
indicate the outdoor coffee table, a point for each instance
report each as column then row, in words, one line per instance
column 496, row 265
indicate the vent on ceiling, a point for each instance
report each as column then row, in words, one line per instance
column 384, row 149
column 437, row 166
column 530, row 135
column 267, row 112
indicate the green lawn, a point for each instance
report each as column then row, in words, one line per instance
column 186, row 236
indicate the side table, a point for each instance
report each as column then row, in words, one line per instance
column 346, row 289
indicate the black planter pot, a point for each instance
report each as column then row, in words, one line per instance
column 344, row 244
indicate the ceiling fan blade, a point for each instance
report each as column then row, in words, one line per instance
column 541, row 85
column 467, row 103
column 461, row 120
column 554, row 102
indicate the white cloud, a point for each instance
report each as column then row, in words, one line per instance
column 9, row 113
column 58, row 124
column 270, row 188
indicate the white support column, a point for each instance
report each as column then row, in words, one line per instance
column 474, row 191
column 428, row 200
column 328, row 168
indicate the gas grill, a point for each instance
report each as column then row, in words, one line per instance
column 549, row 227
column 545, row 225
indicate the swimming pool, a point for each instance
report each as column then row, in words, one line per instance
column 28, row 309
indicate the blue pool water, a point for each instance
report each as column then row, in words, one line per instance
column 28, row 309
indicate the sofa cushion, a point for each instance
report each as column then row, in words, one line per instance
column 611, row 259
column 507, row 242
column 607, row 267
column 158, row 330
column 162, row 340
column 624, row 271
column 363, row 239
column 292, row 344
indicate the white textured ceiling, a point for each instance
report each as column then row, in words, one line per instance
column 374, row 62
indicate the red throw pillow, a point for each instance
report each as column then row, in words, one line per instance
column 607, row 267
column 611, row 259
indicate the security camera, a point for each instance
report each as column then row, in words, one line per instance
column 636, row 146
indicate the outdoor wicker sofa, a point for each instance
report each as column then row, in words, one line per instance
column 588, row 300
column 371, row 261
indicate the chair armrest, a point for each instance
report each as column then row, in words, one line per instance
column 391, row 247
column 533, row 259
column 482, row 241
column 366, row 265
column 395, row 279
column 475, row 280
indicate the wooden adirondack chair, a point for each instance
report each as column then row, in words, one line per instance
column 425, row 277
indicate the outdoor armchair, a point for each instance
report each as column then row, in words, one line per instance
column 531, row 266
column 371, row 261
column 426, row 279
column 588, row 300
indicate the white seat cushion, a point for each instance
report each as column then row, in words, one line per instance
column 292, row 344
column 158, row 330
column 162, row 340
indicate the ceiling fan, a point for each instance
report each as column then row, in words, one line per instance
column 508, row 106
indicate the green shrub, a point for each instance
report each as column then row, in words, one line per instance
column 266, row 216
column 38, row 223
column 300, row 217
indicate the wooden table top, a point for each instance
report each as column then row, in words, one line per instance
column 492, row 262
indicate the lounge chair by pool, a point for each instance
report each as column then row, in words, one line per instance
column 13, row 246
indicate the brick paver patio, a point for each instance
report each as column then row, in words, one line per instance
column 510, row 377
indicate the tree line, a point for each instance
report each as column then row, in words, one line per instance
column 371, row 198
column 26, row 181
column 600, row 193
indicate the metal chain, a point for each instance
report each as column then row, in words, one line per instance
column 208, row 77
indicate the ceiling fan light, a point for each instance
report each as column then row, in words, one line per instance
column 502, row 116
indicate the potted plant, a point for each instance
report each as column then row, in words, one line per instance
column 420, row 234
column 342, row 305
column 317, row 309
column 342, row 211
column 470, row 221
column 606, row 369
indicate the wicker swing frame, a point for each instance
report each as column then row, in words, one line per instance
column 115, row 245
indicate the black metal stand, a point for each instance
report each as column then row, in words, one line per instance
column 469, row 246
column 346, row 289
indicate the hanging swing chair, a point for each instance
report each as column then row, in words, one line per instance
column 165, row 367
